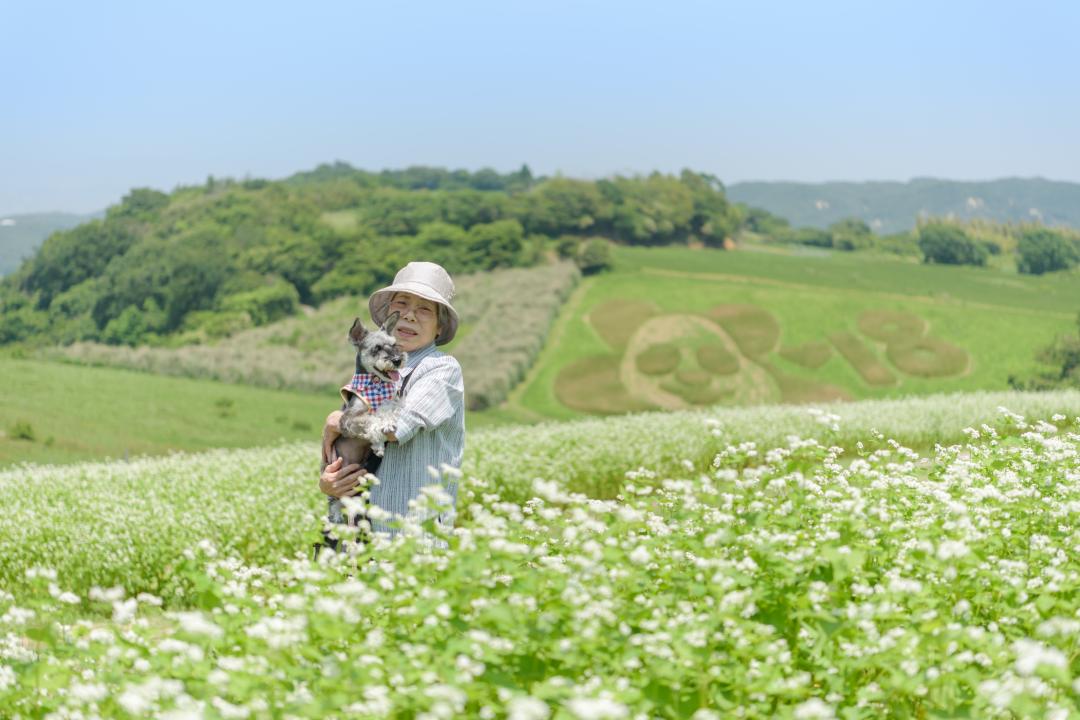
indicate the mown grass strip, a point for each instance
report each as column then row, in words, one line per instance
column 865, row 362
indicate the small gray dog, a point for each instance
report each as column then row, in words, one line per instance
column 370, row 409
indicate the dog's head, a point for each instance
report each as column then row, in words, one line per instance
column 376, row 350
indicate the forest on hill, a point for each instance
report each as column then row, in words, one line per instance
column 891, row 207
column 208, row 260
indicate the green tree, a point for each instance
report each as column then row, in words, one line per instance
column 367, row 264
column 466, row 208
column 70, row 313
column 277, row 298
column 851, row 234
column 140, row 203
column 714, row 219
column 298, row 258
column 948, row 244
column 181, row 274
column 560, row 205
column 763, row 222
column 387, row 211
column 134, row 325
column 594, row 256
column 68, row 258
column 442, row 243
column 1042, row 250
column 567, row 246
column 495, row 245
column 811, row 236
column 23, row 323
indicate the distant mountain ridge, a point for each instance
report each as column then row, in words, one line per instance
column 21, row 235
column 891, row 207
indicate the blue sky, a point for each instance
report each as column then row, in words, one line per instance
column 96, row 98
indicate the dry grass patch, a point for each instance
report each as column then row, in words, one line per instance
column 929, row 357
column 891, row 325
column 717, row 360
column 754, row 330
column 592, row 385
column 795, row 390
column 692, row 377
column 697, row 393
column 616, row 321
column 659, row 359
column 810, row 355
column 862, row 359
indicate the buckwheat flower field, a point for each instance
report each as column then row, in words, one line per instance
column 803, row 564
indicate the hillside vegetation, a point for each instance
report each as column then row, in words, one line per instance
column 211, row 260
column 505, row 316
column 891, row 207
column 54, row 413
column 776, row 577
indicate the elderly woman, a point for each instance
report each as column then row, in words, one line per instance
column 430, row 429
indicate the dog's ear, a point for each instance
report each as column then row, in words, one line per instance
column 357, row 332
column 391, row 323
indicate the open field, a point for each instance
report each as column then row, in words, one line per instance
column 790, row 329
column 590, row 456
column 741, row 564
column 81, row 413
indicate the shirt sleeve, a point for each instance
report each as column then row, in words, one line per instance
column 434, row 396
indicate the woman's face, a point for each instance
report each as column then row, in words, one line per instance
column 419, row 322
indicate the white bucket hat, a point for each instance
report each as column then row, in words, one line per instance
column 427, row 280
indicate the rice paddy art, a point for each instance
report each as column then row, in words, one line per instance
column 733, row 354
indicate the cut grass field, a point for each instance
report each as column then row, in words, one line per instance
column 996, row 320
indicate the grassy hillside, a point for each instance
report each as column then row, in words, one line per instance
column 78, row 413
column 895, row 206
column 673, row 328
column 21, row 235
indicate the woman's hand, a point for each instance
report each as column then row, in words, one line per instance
column 331, row 432
column 337, row 481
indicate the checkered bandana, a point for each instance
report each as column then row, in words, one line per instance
column 373, row 389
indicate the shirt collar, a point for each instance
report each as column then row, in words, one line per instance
column 417, row 355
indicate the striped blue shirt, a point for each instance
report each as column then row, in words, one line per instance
column 430, row 433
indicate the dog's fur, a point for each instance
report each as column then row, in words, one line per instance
column 362, row 431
